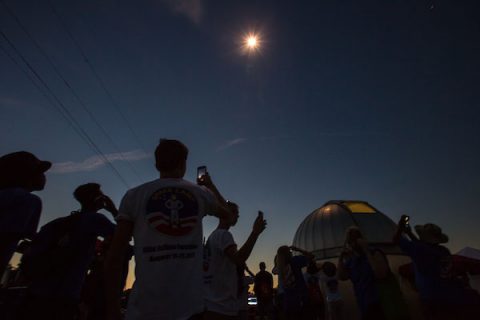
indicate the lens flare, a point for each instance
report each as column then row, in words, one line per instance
column 251, row 43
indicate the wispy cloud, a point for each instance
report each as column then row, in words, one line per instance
column 231, row 143
column 192, row 9
column 96, row 162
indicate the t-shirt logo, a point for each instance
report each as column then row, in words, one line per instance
column 172, row 211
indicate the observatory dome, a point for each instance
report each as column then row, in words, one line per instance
column 323, row 231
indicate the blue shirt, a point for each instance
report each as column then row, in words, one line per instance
column 431, row 264
column 19, row 215
column 82, row 241
column 363, row 280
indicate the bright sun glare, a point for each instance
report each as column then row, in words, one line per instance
column 252, row 42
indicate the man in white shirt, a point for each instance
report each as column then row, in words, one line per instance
column 165, row 218
column 222, row 259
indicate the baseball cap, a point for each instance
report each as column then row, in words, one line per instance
column 22, row 163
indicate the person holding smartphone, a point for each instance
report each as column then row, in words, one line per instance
column 61, row 254
column 164, row 216
column 223, row 287
column 442, row 295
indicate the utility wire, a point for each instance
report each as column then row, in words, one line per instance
column 74, row 93
column 95, row 73
column 32, row 80
column 66, row 113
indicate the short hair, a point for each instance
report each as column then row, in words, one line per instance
column 86, row 192
column 232, row 205
column 170, row 154
column 262, row 265
column 329, row 268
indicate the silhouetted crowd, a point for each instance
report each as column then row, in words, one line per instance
column 75, row 267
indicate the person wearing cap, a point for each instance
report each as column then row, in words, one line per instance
column 21, row 173
column 432, row 265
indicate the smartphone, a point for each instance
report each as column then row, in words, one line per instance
column 260, row 214
column 201, row 171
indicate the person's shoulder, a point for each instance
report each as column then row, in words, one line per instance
column 142, row 187
column 97, row 219
column 21, row 195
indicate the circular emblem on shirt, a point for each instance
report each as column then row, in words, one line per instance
column 172, row 211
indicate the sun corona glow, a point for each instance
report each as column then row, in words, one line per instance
column 251, row 43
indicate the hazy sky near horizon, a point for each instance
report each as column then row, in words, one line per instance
column 371, row 100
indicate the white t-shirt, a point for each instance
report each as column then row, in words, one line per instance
column 220, row 274
column 330, row 287
column 167, row 216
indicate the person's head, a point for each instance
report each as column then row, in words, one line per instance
column 262, row 266
column 90, row 196
column 431, row 233
column 284, row 253
column 329, row 268
column 23, row 169
column 352, row 235
column 233, row 218
column 171, row 158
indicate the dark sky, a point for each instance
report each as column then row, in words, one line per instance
column 371, row 100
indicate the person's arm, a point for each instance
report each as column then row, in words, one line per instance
column 110, row 206
column 306, row 253
column 401, row 229
column 114, row 268
column 221, row 210
column 410, row 234
column 206, row 181
column 240, row 256
column 249, row 272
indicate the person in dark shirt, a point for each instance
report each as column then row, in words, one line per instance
column 55, row 293
column 20, row 174
column 442, row 295
column 363, row 265
column 291, row 280
column 263, row 288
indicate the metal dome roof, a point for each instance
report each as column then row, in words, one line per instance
column 323, row 231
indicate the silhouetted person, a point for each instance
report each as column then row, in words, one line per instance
column 291, row 281
column 223, row 287
column 20, row 174
column 376, row 289
column 442, row 295
column 61, row 254
column 165, row 218
column 93, row 304
column 314, row 307
column 263, row 289
column 363, row 265
column 332, row 294
column 246, row 281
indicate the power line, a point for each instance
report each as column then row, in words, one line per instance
column 32, row 80
column 95, row 73
column 66, row 113
column 74, row 93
